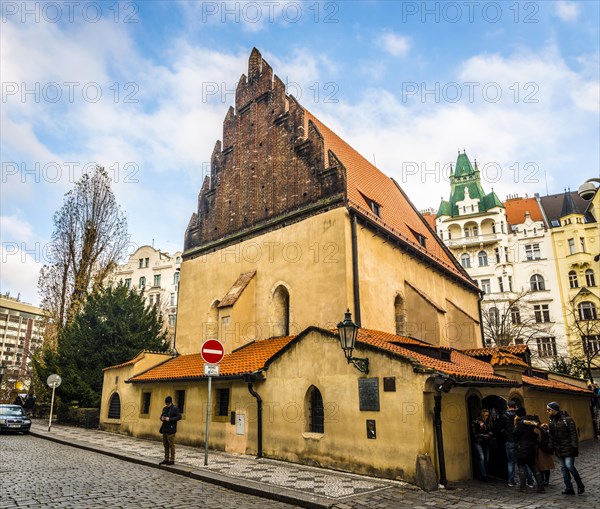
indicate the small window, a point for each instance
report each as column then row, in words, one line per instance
column 178, row 259
column 582, row 243
column 142, row 282
column 497, row 253
column 172, row 299
column 541, row 313
column 114, row 407
column 546, row 347
column 571, row 246
column 590, row 278
column 591, row 345
column 465, row 260
column 140, row 263
column 147, row 262
column 587, row 311
column 316, row 412
column 486, row 286
column 532, row 252
column 573, row 281
column 494, row 315
column 501, row 284
column 483, row 258
column 510, row 287
column 176, row 277
column 172, row 320
column 156, row 281
column 222, row 402
column 146, row 402
column 515, row 315
column 180, row 399
column 128, row 282
column 537, row 283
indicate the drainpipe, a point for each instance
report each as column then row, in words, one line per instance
column 437, row 420
column 481, row 319
column 258, row 416
column 356, row 289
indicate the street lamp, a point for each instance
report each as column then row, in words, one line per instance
column 348, row 331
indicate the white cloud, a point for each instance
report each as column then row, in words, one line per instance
column 567, row 11
column 20, row 272
column 395, row 44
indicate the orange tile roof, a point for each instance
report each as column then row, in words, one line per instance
column 460, row 365
column 515, row 210
column 500, row 358
column 127, row 363
column 553, row 385
column 397, row 214
column 386, row 336
column 489, row 351
column 430, row 219
column 247, row 359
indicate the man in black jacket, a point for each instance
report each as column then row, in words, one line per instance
column 564, row 441
column 169, row 417
column 504, row 429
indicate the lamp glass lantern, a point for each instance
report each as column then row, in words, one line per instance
column 348, row 332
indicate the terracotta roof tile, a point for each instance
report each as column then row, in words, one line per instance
column 137, row 358
column 247, row 359
column 430, row 219
column 500, row 358
column 397, row 214
column 489, row 351
column 553, row 384
column 517, row 207
column 236, row 290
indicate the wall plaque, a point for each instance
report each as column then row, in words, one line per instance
column 368, row 394
column 389, row 384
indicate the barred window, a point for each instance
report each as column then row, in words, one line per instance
column 146, row 402
column 114, row 407
column 316, row 413
column 222, row 402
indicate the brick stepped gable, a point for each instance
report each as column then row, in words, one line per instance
column 267, row 165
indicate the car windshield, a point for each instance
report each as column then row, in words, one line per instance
column 11, row 411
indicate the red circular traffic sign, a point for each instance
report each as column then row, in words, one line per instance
column 212, row 351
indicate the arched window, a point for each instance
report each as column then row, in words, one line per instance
column 114, row 407
column 537, row 283
column 142, row 282
column 483, row 259
column 465, row 260
column 212, row 322
column 281, row 311
column 400, row 315
column 587, row 311
column 494, row 316
column 316, row 413
column 573, row 282
column 176, row 277
column 590, row 278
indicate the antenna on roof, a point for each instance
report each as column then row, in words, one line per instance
column 374, row 161
column 546, row 179
column 152, row 242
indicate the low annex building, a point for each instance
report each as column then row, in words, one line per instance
column 292, row 228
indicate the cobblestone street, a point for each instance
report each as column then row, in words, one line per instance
column 36, row 473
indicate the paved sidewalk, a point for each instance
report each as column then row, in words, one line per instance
column 287, row 482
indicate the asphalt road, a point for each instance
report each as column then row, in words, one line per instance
column 36, row 473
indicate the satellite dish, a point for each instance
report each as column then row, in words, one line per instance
column 54, row 381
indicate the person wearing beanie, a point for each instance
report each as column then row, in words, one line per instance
column 169, row 416
column 565, row 443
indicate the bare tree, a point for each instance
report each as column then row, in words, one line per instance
column 513, row 321
column 90, row 236
column 584, row 328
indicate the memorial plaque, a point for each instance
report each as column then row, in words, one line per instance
column 368, row 394
column 389, row 384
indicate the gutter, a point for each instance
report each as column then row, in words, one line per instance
column 355, row 283
column 250, row 379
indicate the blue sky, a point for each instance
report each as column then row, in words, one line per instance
column 142, row 88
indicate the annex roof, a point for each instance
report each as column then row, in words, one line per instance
column 516, row 209
column 236, row 289
column 552, row 385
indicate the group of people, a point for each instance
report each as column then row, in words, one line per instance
column 27, row 401
column 530, row 446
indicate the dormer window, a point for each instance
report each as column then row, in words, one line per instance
column 375, row 207
column 420, row 238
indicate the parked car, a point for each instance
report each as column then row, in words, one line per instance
column 14, row 418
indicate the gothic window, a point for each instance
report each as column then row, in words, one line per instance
column 587, row 311
column 465, row 260
column 281, row 311
column 114, row 407
column 400, row 315
column 316, row 412
column 537, row 283
column 573, row 281
column 590, row 278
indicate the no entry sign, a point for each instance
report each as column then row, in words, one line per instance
column 212, row 351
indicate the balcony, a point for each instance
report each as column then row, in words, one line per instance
column 488, row 238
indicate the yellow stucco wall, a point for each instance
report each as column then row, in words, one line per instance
column 309, row 258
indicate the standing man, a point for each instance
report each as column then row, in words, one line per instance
column 505, row 428
column 169, row 417
column 564, row 441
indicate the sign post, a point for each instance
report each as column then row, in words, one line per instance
column 212, row 353
column 53, row 381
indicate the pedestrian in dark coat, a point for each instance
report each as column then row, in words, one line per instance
column 526, row 439
column 481, row 430
column 544, row 461
column 169, row 416
column 565, row 442
column 504, row 430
